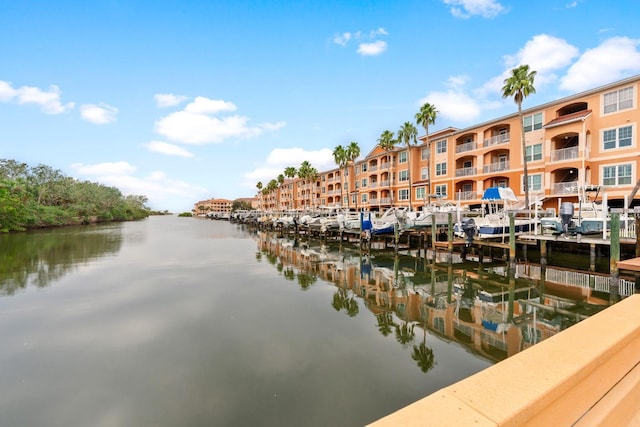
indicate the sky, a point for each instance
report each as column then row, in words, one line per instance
column 182, row 101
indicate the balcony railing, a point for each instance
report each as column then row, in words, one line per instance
column 570, row 153
column 373, row 185
column 565, row 187
column 373, row 168
column 503, row 138
column 467, row 146
column 386, row 165
column 496, row 167
column 385, row 200
column 466, row 171
column 466, row 195
column 384, row 183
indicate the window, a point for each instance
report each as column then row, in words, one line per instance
column 402, row 157
column 403, row 175
column 617, row 100
column 533, row 122
column 535, row 182
column 421, row 193
column 364, row 167
column 364, row 182
column 357, row 170
column 423, row 173
column 441, row 146
column 616, row 175
column 441, row 190
column 403, row 194
column 617, row 138
column 363, row 198
column 353, row 199
column 441, row 169
column 534, row 152
column 425, row 153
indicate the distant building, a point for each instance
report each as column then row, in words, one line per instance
column 213, row 206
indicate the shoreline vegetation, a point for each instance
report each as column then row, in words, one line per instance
column 41, row 197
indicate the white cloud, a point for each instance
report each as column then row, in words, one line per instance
column 197, row 125
column 160, row 189
column 614, row 59
column 280, row 158
column 202, row 105
column 372, row 49
column 168, row 99
column 342, row 39
column 545, row 54
column 98, row 114
column 379, row 32
column 467, row 8
column 107, row 168
column 48, row 100
column 454, row 104
column 168, row 149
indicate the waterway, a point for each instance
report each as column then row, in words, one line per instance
column 180, row 321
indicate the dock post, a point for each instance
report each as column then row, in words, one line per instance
column 614, row 289
column 512, row 264
column 592, row 265
column 543, row 268
column 637, row 235
column 433, row 235
column 396, row 237
column 450, row 238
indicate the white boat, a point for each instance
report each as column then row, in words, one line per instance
column 417, row 220
column 499, row 203
column 585, row 217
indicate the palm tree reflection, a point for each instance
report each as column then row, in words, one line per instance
column 423, row 355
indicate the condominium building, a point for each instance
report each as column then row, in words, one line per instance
column 584, row 140
column 218, row 206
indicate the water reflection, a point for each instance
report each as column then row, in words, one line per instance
column 39, row 258
column 474, row 304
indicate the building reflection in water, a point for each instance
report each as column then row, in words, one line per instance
column 463, row 302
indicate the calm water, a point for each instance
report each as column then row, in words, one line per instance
column 184, row 322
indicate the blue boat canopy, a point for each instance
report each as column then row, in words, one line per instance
column 499, row 193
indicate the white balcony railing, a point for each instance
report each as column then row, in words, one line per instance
column 467, row 146
column 496, row 167
column 570, row 187
column 502, row 138
column 570, row 153
column 466, row 171
column 466, row 195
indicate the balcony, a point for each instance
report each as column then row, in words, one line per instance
column 385, row 200
column 373, row 184
column 503, row 138
column 466, row 171
column 466, row 195
column 373, row 168
column 570, row 187
column 384, row 183
column 467, row 146
column 496, row 167
column 386, row 165
column 570, row 153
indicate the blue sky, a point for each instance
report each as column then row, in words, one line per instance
column 187, row 100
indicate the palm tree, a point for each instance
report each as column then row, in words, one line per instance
column 520, row 85
column 340, row 157
column 406, row 135
column 290, row 171
column 307, row 172
column 387, row 142
column 352, row 152
column 425, row 117
column 280, row 179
